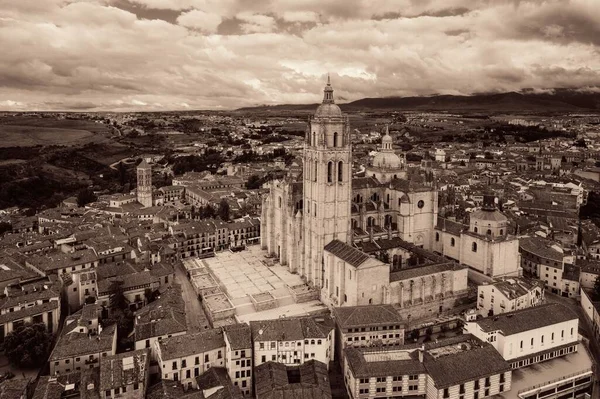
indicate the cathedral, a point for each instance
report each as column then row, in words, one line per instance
column 355, row 238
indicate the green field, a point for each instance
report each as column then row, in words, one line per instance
column 26, row 131
column 25, row 136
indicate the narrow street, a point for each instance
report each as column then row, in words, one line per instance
column 196, row 319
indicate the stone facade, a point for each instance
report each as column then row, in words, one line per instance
column 144, row 184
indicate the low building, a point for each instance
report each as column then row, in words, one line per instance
column 531, row 335
column 364, row 326
column 82, row 343
column 509, row 294
column 82, row 384
column 589, row 272
column 185, row 357
column 543, row 259
column 125, row 375
column 461, row 366
column 591, row 307
column 34, row 302
column 293, row 340
column 212, row 384
column 238, row 356
column 309, row 380
column 163, row 318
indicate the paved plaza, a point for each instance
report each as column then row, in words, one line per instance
column 245, row 273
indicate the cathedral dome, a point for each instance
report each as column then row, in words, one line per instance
column 327, row 110
column 387, row 160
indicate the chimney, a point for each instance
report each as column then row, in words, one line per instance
column 371, row 233
column 389, row 232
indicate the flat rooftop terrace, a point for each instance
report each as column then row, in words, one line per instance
column 545, row 373
column 246, row 273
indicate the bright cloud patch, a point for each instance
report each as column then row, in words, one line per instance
column 215, row 54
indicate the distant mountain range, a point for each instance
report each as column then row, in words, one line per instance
column 556, row 100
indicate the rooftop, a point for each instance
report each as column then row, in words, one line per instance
column 124, row 369
column 554, row 370
column 347, row 253
column 291, row 329
column 190, row 344
column 527, row 319
column 541, row 247
column 307, row 381
column 370, row 315
column 461, row 359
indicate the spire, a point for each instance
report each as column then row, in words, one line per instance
column 328, row 92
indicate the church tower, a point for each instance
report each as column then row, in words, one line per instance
column 327, row 184
column 144, row 184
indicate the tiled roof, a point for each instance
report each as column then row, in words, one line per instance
column 190, row 344
column 168, row 389
column 369, row 315
column 217, row 377
column 540, row 247
column 291, row 329
column 450, row 226
column 85, row 385
column 414, row 272
column 527, row 319
column 239, row 336
column 60, row 260
column 478, row 361
column 589, row 266
column 72, row 343
column 28, row 311
column 272, row 381
column 124, row 369
column 364, row 182
column 164, row 316
column 347, row 253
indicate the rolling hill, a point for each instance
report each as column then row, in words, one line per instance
column 558, row 100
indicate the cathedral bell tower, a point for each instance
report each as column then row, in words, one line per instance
column 327, row 184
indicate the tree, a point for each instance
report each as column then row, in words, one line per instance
column 28, row 345
column 254, row 182
column 117, row 299
column 414, row 335
column 223, row 211
column 4, row 227
column 85, row 196
column 596, row 292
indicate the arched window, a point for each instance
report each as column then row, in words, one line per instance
column 370, row 221
column 474, row 247
column 437, row 236
column 314, row 140
column 388, row 199
column 280, row 202
column 335, row 139
column 501, row 231
column 315, row 170
column 395, row 176
column 452, row 242
column 329, row 172
column 489, row 232
column 340, row 171
column 475, row 229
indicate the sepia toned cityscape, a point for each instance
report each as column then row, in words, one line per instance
column 221, row 199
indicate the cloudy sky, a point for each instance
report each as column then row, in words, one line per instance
column 223, row 54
